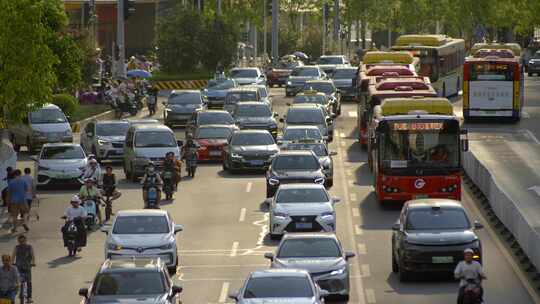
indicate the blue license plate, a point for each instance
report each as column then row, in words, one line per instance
column 257, row 162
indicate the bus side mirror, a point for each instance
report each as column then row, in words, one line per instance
column 464, row 139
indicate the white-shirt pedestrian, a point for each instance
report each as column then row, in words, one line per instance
column 71, row 213
column 472, row 270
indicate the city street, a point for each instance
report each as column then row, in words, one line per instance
column 225, row 231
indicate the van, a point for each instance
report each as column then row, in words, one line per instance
column 46, row 125
column 147, row 144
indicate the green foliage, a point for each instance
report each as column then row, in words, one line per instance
column 66, row 102
column 220, row 46
column 70, row 61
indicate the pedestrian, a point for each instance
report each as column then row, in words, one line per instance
column 23, row 257
column 17, row 189
column 9, row 176
column 31, row 194
column 9, row 279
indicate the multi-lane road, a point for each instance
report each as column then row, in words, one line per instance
column 225, row 234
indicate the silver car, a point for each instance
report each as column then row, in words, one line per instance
column 248, row 76
column 325, row 157
column 279, row 286
column 60, row 164
column 302, row 208
column 105, row 139
column 321, row 254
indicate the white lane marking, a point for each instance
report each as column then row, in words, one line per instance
column 525, row 114
column 362, row 248
column 242, row 215
column 248, row 186
column 353, row 197
column 355, row 212
column 531, row 135
column 370, row 295
column 353, row 114
column 343, row 144
column 224, row 292
column 263, row 223
column 365, row 270
column 358, row 230
column 349, row 173
column 234, row 249
column 342, row 135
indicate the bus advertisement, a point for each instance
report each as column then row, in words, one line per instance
column 418, row 156
column 441, row 59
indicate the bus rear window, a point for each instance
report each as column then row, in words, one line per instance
column 491, row 72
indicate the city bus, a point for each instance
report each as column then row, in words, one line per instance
column 418, row 154
column 373, row 58
column 514, row 47
column 441, row 59
column 493, row 85
column 386, row 87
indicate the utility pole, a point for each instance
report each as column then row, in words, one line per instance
column 324, row 25
column 265, row 27
column 218, row 7
column 275, row 30
column 336, row 22
column 120, row 40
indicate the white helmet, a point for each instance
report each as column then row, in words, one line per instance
column 75, row 199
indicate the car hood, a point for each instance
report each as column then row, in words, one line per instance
column 321, row 127
column 206, row 142
column 343, row 82
column 442, row 237
column 304, row 208
column 188, row 108
column 313, row 265
column 138, row 299
column 156, row 152
column 255, row 120
column 301, row 79
column 297, row 174
column 51, row 127
column 113, row 138
column 278, row 300
column 241, row 149
column 243, row 81
column 141, row 240
column 62, row 164
column 280, row 72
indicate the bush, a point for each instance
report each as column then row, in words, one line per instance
column 66, row 102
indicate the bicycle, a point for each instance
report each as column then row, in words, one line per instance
column 23, row 293
column 107, row 201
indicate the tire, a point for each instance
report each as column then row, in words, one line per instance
column 133, row 176
column 339, row 110
column 345, row 298
column 275, row 237
column 404, row 275
column 269, row 193
column 330, row 183
column 395, row 266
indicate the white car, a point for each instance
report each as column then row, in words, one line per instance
column 248, row 76
column 302, row 208
column 60, row 164
column 143, row 233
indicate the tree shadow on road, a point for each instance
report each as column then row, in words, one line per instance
column 65, row 260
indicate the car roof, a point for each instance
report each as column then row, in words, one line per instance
column 151, row 127
column 246, row 68
column 242, row 89
column 332, row 56
column 143, row 121
column 99, row 122
column 138, row 212
column 131, row 264
column 49, row 106
column 275, row 272
column 252, row 131
column 310, row 235
column 252, row 103
column 295, row 152
column 47, row 145
column 319, row 81
column 301, row 186
column 430, row 203
column 184, row 91
column 305, row 106
column 213, row 111
column 307, row 66
column 215, row 126
column 303, row 127
column 346, row 68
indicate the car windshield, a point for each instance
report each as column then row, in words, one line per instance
column 324, row 87
column 220, row 84
column 319, row 149
column 63, row 152
column 215, row 118
column 437, row 219
column 263, row 92
column 46, row 116
column 261, row 110
column 296, row 162
column 129, row 283
column 287, row 196
column 155, row 139
column 248, row 73
column 316, row 99
column 305, row 72
column 278, row 287
column 235, row 97
column 209, row 133
column 253, row 139
column 331, row 60
column 141, row 225
column 305, row 116
column 112, row 129
column 309, row 248
column 185, row 98
column 306, row 134
column 344, row 74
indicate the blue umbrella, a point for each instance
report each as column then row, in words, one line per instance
column 301, row 55
column 139, row 74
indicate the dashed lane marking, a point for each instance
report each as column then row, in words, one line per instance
column 370, row 296
column 358, row 230
column 355, row 212
column 242, row 215
column 224, row 292
column 362, row 248
column 532, row 137
column 365, row 270
column 248, row 186
column 342, row 135
column 353, row 197
column 234, row 249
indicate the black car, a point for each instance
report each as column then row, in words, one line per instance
column 431, row 235
column 249, row 150
column 255, row 115
column 533, row 66
column 329, row 89
column 345, row 80
column 293, row 167
column 180, row 107
column 131, row 280
column 208, row 117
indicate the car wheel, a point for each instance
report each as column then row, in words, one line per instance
column 345, row 298
column 14, row 143
column 404, row 275
column 330, row 182
column 132, row 174
column 395, row 266
column 269, row 192
column 275, row 237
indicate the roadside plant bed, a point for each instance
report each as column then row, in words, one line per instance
column 84, row 111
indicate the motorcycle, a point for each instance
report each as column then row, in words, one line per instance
column 138, row 99
column 70, row 236
column 109, row 190
column 152, row 200
column 168, row 183
column 91, row 213
column 472, row 293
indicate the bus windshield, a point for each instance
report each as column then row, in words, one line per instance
column 487, row 71
column 426, row 144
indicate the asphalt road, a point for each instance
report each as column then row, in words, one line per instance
column 225, row 234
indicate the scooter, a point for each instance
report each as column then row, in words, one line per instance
column 168, row 183
column 91, row 213
column 152, row 200
column 472, row 294
column 70, row 235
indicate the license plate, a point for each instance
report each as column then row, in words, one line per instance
column 215, row 153
column 442, row 259
column 421, row 196
column 257, row 162
column 304, row 225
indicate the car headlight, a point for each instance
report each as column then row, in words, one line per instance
column 289, row 83
column 102, row 142
column 327, row 215
column 42, row 168
column 273, row 181
column 235, row 155
column 167, row 246
column 280, row 214
column 319, row 180
column 338, row 271
column 113, row 246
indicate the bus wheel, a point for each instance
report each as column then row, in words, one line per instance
column 444, row 89
column 457, row 86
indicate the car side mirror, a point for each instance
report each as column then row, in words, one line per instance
column 269, row 255
column 68, row 118
column 333, row 153
column 105, row 229
column 333, row 115
column 323, row 293
column 396, row 227
column 233, row 296
column 176, row 290
column 289, row 104
column 83, row 292
column 478, row 225
column 349, row 255
column 336, row 199
column 178, row 228
column 328, row 120
column 276, row 114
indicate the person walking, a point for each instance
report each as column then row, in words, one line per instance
column 23, row 257
column 9, row 176
column 9, row 279
column 17, row 190
column 31, row 194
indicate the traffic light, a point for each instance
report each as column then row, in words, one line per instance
column 86, row 13
column 129, row 8
column 269, row 7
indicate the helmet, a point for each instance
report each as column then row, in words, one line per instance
column 92, row 161
column 75, row 199
column 468, row 250
column 170, row 153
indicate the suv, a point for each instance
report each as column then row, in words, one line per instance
column 310, row 115
column 299, row 76
column 180, row 106
column 132, row 280
column 208, row 117
column 329, row 89
column 255, row 115
column 105, row 139
column 237, row 95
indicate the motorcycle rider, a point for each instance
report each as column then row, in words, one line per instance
column 77, row 214
column 175, row 165
column 89, row 191
column 151, row 177
column 469, row 269
column 189, row 153
column 92, row 170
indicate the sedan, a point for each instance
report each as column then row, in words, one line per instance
column 216, row 90
column 105, row 139
column 299, row 76
column 212, row 139
column 314, row 97
column 255, row 115
column 290, row 167
column 292, row 134
column 208, row 117
column 279, row 286
column 249, row 150
column 60, row 164
column 321, row 254
column 181, row 106
column 144, row 234
column 345, row 80
column 321, row 151
column 431, row 235
column 248, row 76
column 329, row 89
column 301, row 208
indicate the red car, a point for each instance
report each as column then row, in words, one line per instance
column 278, row 75
column 212, row 139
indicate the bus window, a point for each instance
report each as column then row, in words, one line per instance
column 429, row 64
column 491, row 72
